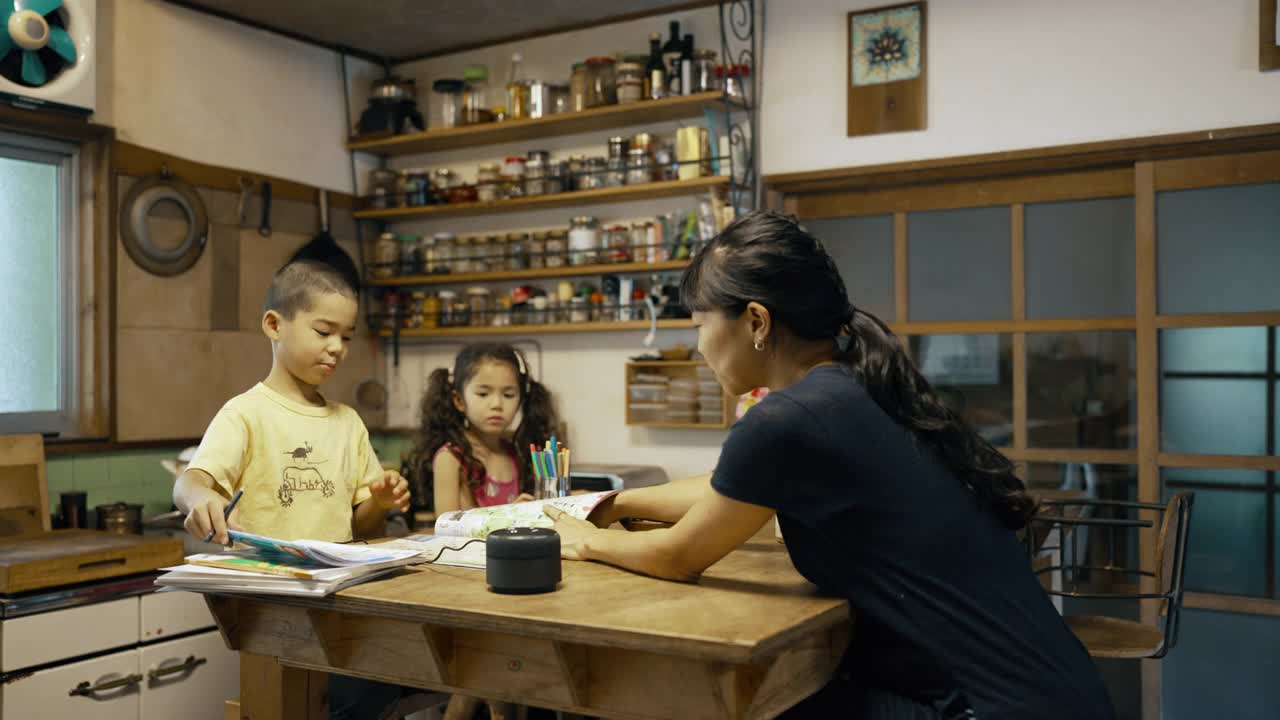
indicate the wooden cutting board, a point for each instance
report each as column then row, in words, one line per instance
column 66, row 557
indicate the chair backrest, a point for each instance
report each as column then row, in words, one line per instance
column 1171, row 562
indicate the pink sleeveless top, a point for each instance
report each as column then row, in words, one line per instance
column 491, row 491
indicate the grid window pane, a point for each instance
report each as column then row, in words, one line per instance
column 958, row 265
column 1217, row 250
column 1081, row 390
column 1213, row 416
column 1080, row 258
column 863, row 250
column 973, row 376
column 1221, row 349
column 1226, row 549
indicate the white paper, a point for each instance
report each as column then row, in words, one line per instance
column 479, row 522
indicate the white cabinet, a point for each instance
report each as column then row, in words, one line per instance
column 50, row 636
column 104, row 688
column 191, row 678
column 165, row 614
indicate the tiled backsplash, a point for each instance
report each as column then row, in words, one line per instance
column 136, row 476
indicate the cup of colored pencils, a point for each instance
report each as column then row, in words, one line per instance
column 550, row 469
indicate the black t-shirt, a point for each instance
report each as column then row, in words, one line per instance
column 943, row 594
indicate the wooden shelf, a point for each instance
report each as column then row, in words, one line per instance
column 538, row 329
column 566, row 271
column 647, row 191
column 590, row 120
column 680, row 426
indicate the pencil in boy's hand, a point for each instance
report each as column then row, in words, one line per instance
column 226, row 512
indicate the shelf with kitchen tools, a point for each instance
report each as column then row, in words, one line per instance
column 565, row 271
column 537, row 329
column 595, row 119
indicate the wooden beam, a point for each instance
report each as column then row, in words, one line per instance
column 1268, row 51
column 1232, row 604
column 901, row 280
column 574, row 669
column 1218, row 170
column 1148, row 381
column 1101, row 456
column 53, row 125
column 1018, row 280
column 1243, row 319
column 977, row 193
column 1237, row 462
column 961, row 327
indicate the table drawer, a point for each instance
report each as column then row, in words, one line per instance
column 47, row 693
column 165, row 614
column 60, row 634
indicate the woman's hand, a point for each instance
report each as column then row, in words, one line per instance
column 573, row 533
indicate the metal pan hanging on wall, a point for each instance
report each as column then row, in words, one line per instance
column 136, row 235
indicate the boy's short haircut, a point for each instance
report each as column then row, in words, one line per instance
column 295, row 285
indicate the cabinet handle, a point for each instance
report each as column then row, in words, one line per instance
column 191, row 663
column 87, row 690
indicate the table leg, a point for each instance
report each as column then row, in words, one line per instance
column 271, row 691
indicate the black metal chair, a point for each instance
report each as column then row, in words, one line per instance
column 1104, row 636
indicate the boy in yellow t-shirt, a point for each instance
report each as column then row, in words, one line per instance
column 305, row 463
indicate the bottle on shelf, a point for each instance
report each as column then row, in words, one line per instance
column 686, row 66
column 517, row 89
column 655, row 73
column 671, row 58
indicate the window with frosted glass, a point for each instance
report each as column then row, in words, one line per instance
column 958, row 265
column 1217, row 249
column 1082, row 390
column 1214, row 396
column 973, row 376
column 36, row 288
column 862, row 248
column 1227, row 546
column 1080, row 258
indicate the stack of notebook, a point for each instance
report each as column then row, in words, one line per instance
column 278, row 567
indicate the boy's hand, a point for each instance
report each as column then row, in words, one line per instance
column 391, row 491
column 206, row 518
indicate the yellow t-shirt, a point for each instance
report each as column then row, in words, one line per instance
column 302, row 468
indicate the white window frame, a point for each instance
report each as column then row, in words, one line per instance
column 66, row 157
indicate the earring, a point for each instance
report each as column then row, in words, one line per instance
column 759, row 345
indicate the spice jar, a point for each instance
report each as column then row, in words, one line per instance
column 448, row 102
column 414, row 187
column 517, row 100
column 513, row 177
column 537, row 251
column 617, row 244
column 616, row 174
column 431, row 311
column 733, row 78
column 577, row 167
column 643, row 141
column 593, row 175
column 602, row 87
column 383, row 190
column 414, row 311
column 558, row 178
column 639, row 167
column 520, row 305
column 704, row 71
column 475, row 109
column 499, row 252
column 386, row 255
column 518, row 251
column 478, row 250
column 445, row 248
column 408, row 254
column 584, row 240
column 578, row 310
column 428, row 259
column 630, row 83
column 578, row 82
column 442, row 181
column 535, row 173
column 640, row 251
column 557, row 247
column 618, row 147
column 462, row 262
column 558, row 99
column 538, row 310
column 479, row 305
column 450, row 314
column 502, row 314
column 390, row 311
column 487, row 182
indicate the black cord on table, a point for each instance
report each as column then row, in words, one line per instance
column 448, row 547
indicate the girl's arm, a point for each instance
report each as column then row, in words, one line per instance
column 712, row 528
column 449, row 490
column 664, row 503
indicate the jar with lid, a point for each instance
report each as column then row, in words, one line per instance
column 383, row 188
column 558, row 99
column 578, row 82
column 584, row 240
column 537, row 251
column 459, row 253
column 442, row 180
column 577, row 167
column 618, row 147
column 448, row 308
column 480, row 305
column 640, row 242
column 558, row 178
column 704, row 71
column 414, row 311
column 475, row 96
column 557, row 248
column 643, row 141
column 513, row 177
column 535, row 173
column 596, row 312
column 386, row 255
column 578, row 310
column 602, row 84
column 538, row 310
column 409, row 261
column 520, row 305
column 610, row 287
column 431, row 311
column 499, row 253
column 630, row 83
column 517, row 251
column 502, row 313
column 478, row 252
column 417, row 187
column 733, row 78
column 488, row 181
column 617, row 244
column 390, row 318
column 445, row 251
column 639, row 167
column 594, row 174
column 448, row 102
column 616, row 175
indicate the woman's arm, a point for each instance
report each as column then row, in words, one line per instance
column 713, row 527
column 664, row 503
column 449, row 492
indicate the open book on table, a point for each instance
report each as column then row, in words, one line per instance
column 318, row 552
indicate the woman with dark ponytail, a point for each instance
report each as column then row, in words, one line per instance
column 884, row 497
column 465, row 454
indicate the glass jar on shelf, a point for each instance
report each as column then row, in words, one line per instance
column 409, row 262
column 630, row 83
column 520, row 305
column 618, row 244
column 558, row 178
column 596, row 312
column 480, row 306
column 499, row 253
column 557, row 248
column 383, row 188
column 414, row 311
column 639, row 167
column 414, row 187
column 502, row 312
column 579, row 311
column 513, row 177
column 488, row 182
column 538, row 310
column 431, row 311
column 448, row 102
column 517, row 251
column 386, row 255
column 442, row 181
column 558, row 99
column 478, row 253
column 577, row 170
column 475, row 104
column 448, row 308
column 390, row 317
column 428, row 258
column 535, row 174
column 594, row 174
column 461, row 260
column 578, row 82
column 705, row 78
column 584, row 240
column 537, row 250
column 640, row 250
column 602, row 84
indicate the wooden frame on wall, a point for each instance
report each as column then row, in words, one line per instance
column 1139, row 168
column 1268, row 50
column 886, row 69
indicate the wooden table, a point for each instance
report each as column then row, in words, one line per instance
column 749, row 640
